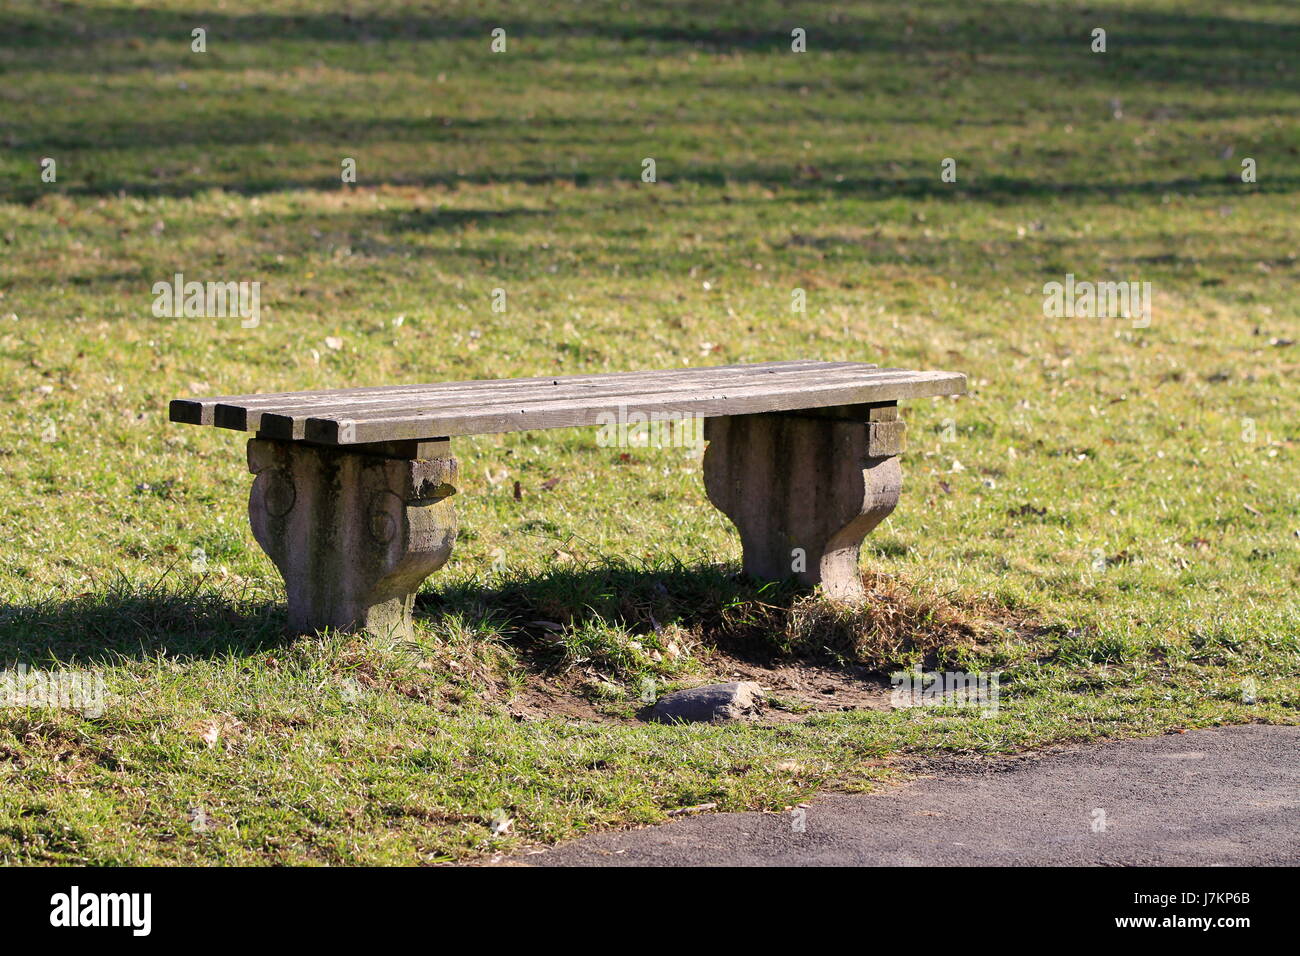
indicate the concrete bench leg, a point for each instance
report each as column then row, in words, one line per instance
column 804, row 489
column 353, row 532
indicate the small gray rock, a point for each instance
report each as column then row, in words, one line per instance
column 712, row 702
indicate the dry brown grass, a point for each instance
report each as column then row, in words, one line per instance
column 900, row 624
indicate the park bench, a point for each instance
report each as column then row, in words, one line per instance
column 352, row 497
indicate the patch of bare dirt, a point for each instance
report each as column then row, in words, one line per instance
column 794, row 691
column 541, row 698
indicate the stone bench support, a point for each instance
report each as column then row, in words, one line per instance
column 353, row 530
column 805, row 488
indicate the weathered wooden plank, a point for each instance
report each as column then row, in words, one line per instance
column 536, row 415
column 289, row 423
column 253, row 415
column 199, row 411
column 608, row 398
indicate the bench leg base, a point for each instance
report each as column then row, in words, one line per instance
column 803, row 492
column 352, row 533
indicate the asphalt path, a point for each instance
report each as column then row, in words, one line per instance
column 1225, row 796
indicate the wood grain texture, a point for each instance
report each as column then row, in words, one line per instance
column 415, row 412
column 201, row 411
column 289, row 421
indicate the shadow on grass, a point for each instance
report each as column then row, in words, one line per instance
column 987, row 42
column 567, row 613
column 991, row 27
column 637, row 599
column 131, row 621
column 128, row 621
column 562, row 616
column 991, row 188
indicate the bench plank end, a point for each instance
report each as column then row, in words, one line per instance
column 188, row 411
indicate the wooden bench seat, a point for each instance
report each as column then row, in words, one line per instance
column 353, row 487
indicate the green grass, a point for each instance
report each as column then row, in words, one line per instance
column 1109, row 516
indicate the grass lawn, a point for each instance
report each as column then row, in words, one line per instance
column 1109, row 517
